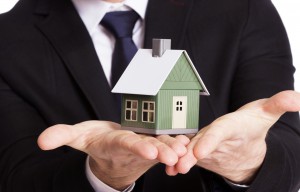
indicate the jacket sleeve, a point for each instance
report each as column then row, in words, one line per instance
column 23, row 166
column 265, row 68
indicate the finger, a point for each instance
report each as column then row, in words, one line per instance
column 177, row 145
column 186, row 162
column 283, row 102
column 208, row 141
column 171, row 170
column 136, row 144
column 183, row 139
column 166, row 155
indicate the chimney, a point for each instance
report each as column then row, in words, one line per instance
column 159, row 46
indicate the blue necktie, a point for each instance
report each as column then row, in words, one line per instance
column 121, row 24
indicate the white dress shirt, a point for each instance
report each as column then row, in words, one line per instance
column 97, row 184
column 92, row 12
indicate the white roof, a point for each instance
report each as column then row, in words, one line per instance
column 146, row 74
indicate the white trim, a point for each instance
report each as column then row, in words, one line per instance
column 204, row 91
column 148, row 111
column 131, row 109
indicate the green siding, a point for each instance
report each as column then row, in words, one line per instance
column 181, row 86
column 182, row 76
column 164, row 107
column 139, row 122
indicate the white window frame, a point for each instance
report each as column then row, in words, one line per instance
column 131, row 109
column 148, row 111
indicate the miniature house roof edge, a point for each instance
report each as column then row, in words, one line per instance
column 153, row 92
column 205, row 90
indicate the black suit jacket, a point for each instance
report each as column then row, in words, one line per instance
column 50, row 74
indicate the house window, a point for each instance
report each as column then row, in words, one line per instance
column 148, row 112
column 131, row 110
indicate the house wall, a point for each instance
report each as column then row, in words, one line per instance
column 182, row 81
column 165, row 107
column 138, row 123
column 182, row 76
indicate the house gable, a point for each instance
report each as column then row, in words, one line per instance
column 182, row 76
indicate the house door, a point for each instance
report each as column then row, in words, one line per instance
column 179, row 112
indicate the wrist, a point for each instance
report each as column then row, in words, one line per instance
column 237, row 187
column 106, row 175
column 244, row 173
column 246, row 177
column 242, row 179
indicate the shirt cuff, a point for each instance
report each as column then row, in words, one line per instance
column 237, row 187
column 98, row 185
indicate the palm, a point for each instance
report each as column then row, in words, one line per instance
column 234, row 144
column 118, row 157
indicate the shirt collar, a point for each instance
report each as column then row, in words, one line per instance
column 93, row 11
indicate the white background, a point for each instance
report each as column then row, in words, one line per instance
column 288, row 9
column 290, row 14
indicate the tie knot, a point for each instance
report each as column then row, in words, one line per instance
column 120, row 23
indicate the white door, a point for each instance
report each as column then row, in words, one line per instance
column 179, row 112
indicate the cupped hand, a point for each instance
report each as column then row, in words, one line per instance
column 117, row 157
column 234, row 146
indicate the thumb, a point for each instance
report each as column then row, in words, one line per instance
column 285, row 101
column 57, row 136
column 76, row 136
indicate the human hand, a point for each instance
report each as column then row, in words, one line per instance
column 234, row 146
column 117, row 157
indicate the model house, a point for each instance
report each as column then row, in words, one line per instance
column 160, row 91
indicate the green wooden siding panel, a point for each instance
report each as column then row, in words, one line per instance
column 139, row 122
column 171, row 77
column 164, row 107
column 183, row 74
column 182, row 85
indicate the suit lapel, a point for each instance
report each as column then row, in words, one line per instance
column 167, row 19
column 68, row 35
